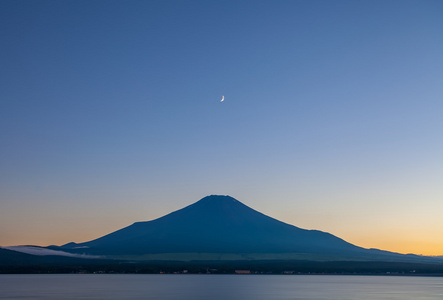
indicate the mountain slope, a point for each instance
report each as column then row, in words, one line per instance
column 215, row 224
column 221, row 227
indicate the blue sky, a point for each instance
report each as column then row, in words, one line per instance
column 110, row 113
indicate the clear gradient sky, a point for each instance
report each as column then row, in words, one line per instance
column 110, row 113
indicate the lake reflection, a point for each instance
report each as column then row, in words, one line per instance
column 103, row 286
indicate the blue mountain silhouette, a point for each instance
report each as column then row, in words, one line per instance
column 222, row 224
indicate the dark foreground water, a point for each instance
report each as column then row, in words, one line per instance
column 224, row 287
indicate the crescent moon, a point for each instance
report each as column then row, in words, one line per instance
column 223, row 98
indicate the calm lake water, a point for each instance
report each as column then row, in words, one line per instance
column 276, row 287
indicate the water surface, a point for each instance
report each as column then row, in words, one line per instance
column 258, row 287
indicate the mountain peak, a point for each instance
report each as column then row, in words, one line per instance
column 214, row 199
column 218, row 198
column 217, row 204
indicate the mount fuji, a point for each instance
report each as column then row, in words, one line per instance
column 222, row 228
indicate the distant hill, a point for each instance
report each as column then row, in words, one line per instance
column 15, row 258
column 11, row 257
column 222, row 228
